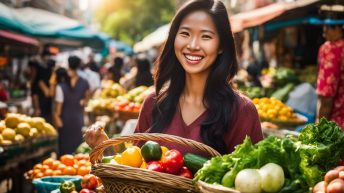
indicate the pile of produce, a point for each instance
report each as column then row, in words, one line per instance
column 89, row 183
column 16, row 128
column 274, row 110
column 304, row 160
column 66, row 165
column 105, row 98
column 152, row 156
column 133, row 99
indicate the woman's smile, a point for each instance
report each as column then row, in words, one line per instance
column 193, row 59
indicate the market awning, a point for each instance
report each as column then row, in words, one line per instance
column 18, row 38
column 43, row 24
column 255, row 17
column 274, row 12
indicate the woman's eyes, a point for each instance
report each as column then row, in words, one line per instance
column 183, row 33
column 186, row 34
column 206, row 37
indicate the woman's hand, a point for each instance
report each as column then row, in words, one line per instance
column 94, row 135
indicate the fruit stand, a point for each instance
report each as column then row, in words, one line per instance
column 24, row 141
column 17, row 158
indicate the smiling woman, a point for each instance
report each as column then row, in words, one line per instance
column 193, row 96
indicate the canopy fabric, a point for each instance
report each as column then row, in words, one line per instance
column 18, row 38
column 156, row 38
column 121, row 47
column 43, row 24
column 255, row 17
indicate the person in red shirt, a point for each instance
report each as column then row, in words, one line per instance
column 330, row 83
column 193, row 95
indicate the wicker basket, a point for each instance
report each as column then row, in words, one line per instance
column 212, row 188
column 125, row 179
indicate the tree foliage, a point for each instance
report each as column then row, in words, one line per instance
column 130, row 20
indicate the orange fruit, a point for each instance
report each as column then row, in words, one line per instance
column 49, row 162
column 55, row 164
column 48, row 172
column 61, row 167
column 83, row 170
column 44, row 167
column 82, row 162
column 57, row 173
column 69, row 170
column 39, row 175
column 67, row 159
column 37, row 166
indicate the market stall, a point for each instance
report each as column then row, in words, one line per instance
column 23, row 141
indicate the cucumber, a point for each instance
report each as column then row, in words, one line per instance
column 194, row 162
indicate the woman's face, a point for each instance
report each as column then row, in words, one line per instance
column 197, row 43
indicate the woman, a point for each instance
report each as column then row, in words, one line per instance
column 141, row 74
column 193, row 97
column 70, row 98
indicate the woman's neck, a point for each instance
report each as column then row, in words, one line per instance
column 194, row 88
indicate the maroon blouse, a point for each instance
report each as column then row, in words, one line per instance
column 247, row 123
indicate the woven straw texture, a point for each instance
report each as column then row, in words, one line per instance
column 125, row 179
column 211, row 188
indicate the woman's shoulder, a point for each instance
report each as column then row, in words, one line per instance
column 244, row 103
column 149, row 101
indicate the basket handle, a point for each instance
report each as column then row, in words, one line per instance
column 97, row 152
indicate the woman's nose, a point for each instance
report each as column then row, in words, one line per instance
column 193, row 44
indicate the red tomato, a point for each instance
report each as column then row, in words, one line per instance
column 89, row 181
column 155, row 166
column 172, row 161
column 185, row 172
column 84, row 190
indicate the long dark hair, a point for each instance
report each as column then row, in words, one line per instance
column 219, row 98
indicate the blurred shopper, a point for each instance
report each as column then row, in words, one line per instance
column 41, row 98
column 140, row 75
column 115, row 71
column 330, row 83
column 92, row 64
column 92, row 77
column 193, row 96
column 59, row 76
column 70, row 99
column 253, row 73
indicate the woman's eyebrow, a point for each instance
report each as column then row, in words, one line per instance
column 203, row 30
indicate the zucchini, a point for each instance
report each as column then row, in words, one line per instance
column 194, row 162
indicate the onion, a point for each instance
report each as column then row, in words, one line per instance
column 248, row 181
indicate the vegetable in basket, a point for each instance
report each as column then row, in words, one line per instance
column 67, row 187
column 89, row 181
column 304, row 159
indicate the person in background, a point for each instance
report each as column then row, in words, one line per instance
column 42, row 100
column 70, row 98
column 330, row 82
column 92, row 77
column 141, row 74
column 253, row 73
column 92, row 64
column 116, row 69
column 144, row 76
column 193, row 95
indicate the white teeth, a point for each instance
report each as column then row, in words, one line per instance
column 194, row 58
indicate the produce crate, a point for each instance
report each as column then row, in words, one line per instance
column 121, row 178
column 126, row 115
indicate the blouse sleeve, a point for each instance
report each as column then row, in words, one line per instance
column 329, row 71
column 256, row 133
column 59, row 94
column 145, row 116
